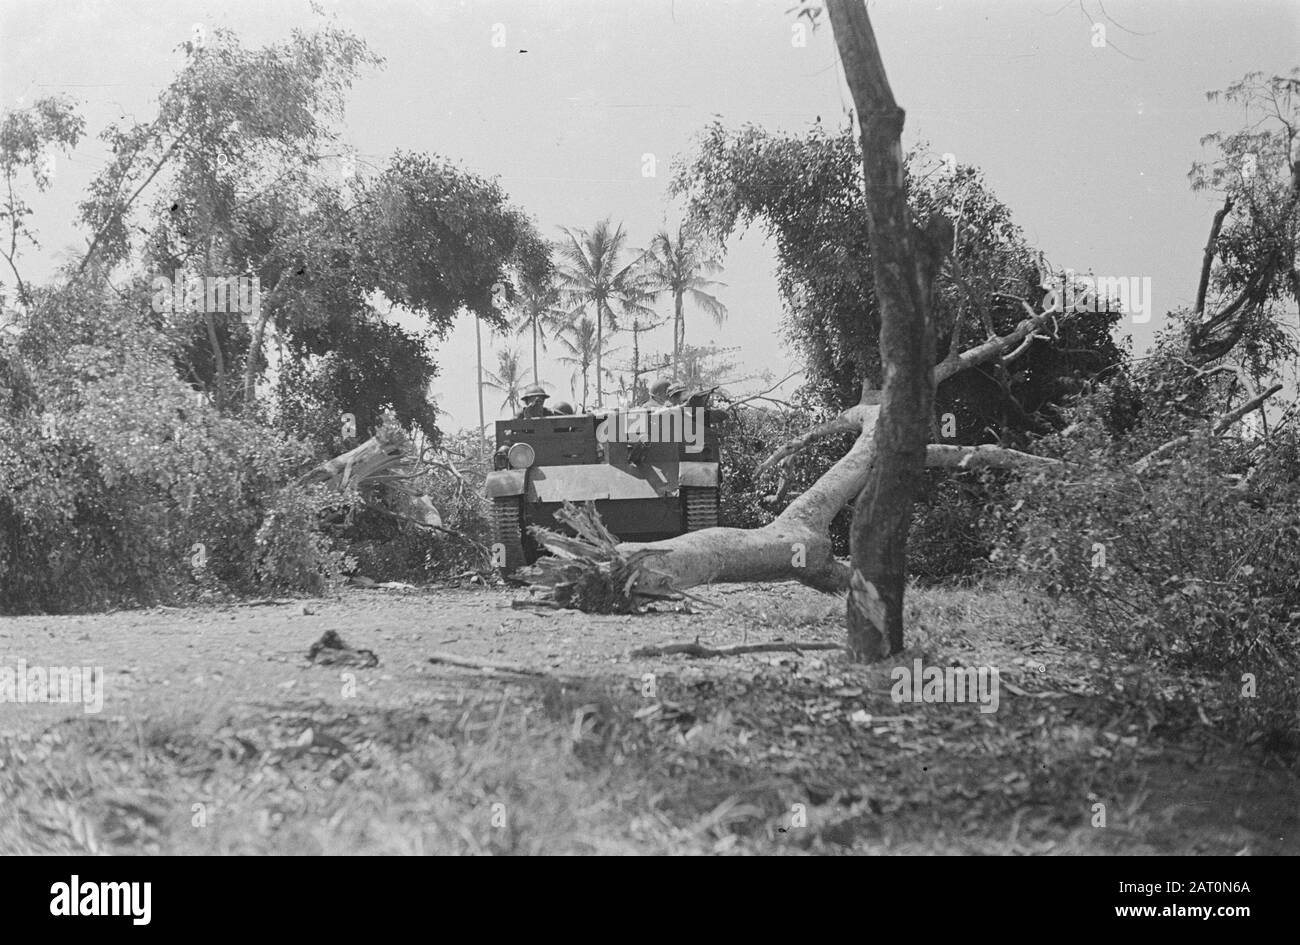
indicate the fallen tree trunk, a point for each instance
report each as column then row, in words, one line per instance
column 386, row 449
column 382, row 469
column 889, row 447
column 797, row 546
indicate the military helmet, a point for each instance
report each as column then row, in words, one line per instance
column 562, row 406
column 659, row 389
column 533, row 390
column 677, row 387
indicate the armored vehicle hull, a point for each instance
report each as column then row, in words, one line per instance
column 645, row 485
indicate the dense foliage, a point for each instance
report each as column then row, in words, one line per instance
column 806, row 192
column 150, row 441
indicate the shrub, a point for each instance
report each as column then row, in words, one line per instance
column 1182, row 564
column 118, row 485
column 949, row 539
column 292, row 551
column 750, row 436
column 398, row 550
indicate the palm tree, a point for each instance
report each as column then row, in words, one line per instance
column 580, row 340
column 539, row 309
column 679, row 267
column 595, row 280
column 509, row 378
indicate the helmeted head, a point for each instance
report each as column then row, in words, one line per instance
column 562, row 407
column 659, row 389
column 534, row 394
column 676, row 391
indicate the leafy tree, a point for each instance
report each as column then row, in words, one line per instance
column 509, row 378
column 230, row 157
column 439, row 239
column 236, row 155
column 1251, row 266
column 678, row 265
column 596, row 280
column 226, row 181
column 584, row 344
column 360, row 365
column 706, row 366
column 539, row 311
column 116, row 485
column 806, row 191
column 28, row 138
column 232, row 123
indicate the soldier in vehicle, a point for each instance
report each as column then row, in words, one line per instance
column 562, row 408
column 534, row 398
column 658, row 394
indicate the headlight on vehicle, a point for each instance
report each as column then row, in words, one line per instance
column 521, row 456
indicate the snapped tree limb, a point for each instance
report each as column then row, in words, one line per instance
column 1220, row 426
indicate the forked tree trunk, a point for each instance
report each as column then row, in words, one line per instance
column 879, row 471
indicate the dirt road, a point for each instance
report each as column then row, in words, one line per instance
column 217, row 735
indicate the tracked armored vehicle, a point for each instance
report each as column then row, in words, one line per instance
column 652, row 474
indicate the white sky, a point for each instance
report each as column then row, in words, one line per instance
column 1089, row 146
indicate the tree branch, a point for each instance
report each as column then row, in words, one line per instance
column 699, row 651
column 851, row 420
column 1220, row 426
column 122, row 210
column 1207, row 262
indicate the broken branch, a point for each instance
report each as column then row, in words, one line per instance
column 699, row 651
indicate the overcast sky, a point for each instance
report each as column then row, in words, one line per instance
column 1090, row 146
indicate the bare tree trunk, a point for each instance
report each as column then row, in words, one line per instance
column 218, row 361
column 904, row 262
column 892, row 424
column 537, row 378
column 259, row 338
column 636, row 360
column 1207, row 261
column 600, row 318
column 679, row 335
column 478, row 360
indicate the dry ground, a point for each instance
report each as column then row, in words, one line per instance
column 218, row 736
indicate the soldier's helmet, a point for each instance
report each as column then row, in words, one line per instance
column 562, row 407
column 532, row 391
column 676, row 389
column 659, row 389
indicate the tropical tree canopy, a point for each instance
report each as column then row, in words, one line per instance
column 600, row 282
column 678, row 266
column 806, row 191
column 510, row 378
